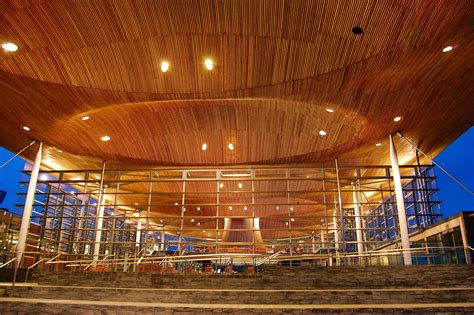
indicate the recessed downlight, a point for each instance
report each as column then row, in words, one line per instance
column 447, row 48
column 357, row 30
column 105, row 138
column 26, row 128
column 198, row 208
column 230, row 146
column 209, row 64
column 322, row 132
column 59, row 150
column 329, row 110
column 221, row 185
column 204, row 146
column 378, row 144
column 245, row 208
column 165, row 66
column 240, row 185
column 10, row 47
column 85, row 118
column 398, row 118
column 230, row 207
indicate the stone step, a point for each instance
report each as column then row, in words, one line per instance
column 276, row 278
column 49, row 306
column 249, row 296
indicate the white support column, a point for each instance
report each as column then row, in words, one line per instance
column 98, row 227
column 162, row 239
column 99, row 219
column 360, row 244
column 138, row 236
column 402, row 218
column 30, row 199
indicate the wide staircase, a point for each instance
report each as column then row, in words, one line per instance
column 298, row 290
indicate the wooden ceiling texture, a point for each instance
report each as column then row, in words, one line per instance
column 277, row 66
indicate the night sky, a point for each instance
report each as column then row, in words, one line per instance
column 457, row 158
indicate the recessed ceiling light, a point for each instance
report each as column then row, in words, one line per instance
column 322, row 132
column 398, row 118
column 204, row 231
column 231, row 146
column 199, row 223
column 85, row 117
column 330, row 110
column 136, row 203
column 291, row 208
column 105, row 138
column 221, row 185
column 286, row 223
column 192, row 220
column 26, row 128
column 9, row 47
column 198, row 208
column 245, row 208
column 164, row 66
column 208, row 64
column 204, row 147
column 378, row 144
column 176, row 203
column 59, row 150
column 357, row 30
column 447, row 48
column 277, row 207
column 292, row 220
column 240, row 185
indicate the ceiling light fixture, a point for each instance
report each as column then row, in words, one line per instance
column 204, row 147
column 322, row 132
column 164, row 66
column 231, row 146
column 26, row 128
column 447, row 48
column 199, row 223
column 192, row 220
column 85, row 118
column 10, row 47
column 230, row 207
column 208, row 64
column 59, row 150
column 105, row 138
column 245, row 208
column 176, row 203
column 330, row 110
column 398, row 118
column 240, row 185
column 204, row 231
column 277, row 207
column 378, row 144
column 198, row 208
column 221, row 185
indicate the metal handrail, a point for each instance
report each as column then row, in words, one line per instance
column 30, row 267
column 96, row 262
column 52, row 259
column 8, row 262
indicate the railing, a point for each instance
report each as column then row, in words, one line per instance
column 8, row 262
column 96, row 263
column 31, row 267
column 267, row 259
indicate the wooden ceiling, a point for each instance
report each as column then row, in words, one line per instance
column 277, row 66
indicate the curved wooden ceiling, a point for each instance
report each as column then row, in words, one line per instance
column 278, row 65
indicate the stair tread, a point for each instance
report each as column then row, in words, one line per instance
column 237, row 306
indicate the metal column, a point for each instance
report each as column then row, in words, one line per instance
column 360, row 245
column 30, row 200
column 99, row 216
column 402, row 218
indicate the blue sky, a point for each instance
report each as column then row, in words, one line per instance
column 457, row 158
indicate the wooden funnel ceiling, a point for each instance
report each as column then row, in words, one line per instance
column 277, row 67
